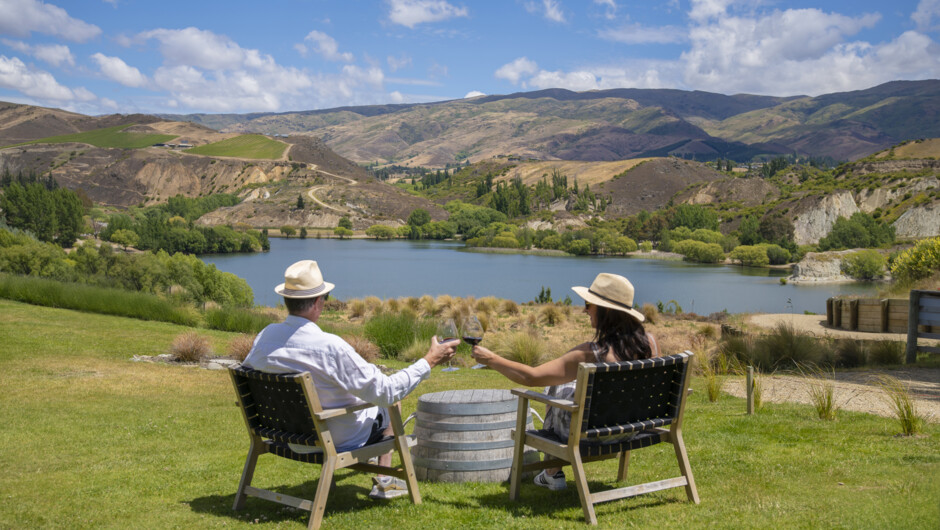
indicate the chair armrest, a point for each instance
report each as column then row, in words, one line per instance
column 564, row 404
column 326, row 414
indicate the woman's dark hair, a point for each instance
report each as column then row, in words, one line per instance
column 623, row 334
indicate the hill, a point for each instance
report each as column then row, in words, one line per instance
column 613, row 125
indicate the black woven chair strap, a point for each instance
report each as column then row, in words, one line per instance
column 626, row 429
column 601, row 447
column 283, row 451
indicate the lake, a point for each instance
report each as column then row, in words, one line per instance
column 392, row 269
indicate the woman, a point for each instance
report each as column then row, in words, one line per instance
column 619, row 336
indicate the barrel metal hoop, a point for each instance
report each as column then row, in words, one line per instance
column 447, row 426
column 466, row 445
column 455, row 465
column 469, row 409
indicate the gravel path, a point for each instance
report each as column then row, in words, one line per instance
column 855, row 390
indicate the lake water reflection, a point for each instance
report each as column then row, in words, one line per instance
column 391, row 269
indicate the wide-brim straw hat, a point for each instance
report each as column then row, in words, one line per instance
column 303, row 280
column 611, row 291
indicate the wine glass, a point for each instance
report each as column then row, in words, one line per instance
column 473, row 334
column 447, row 331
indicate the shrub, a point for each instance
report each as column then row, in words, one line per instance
column 699, row 252
column 240, row 346
column 646, row 246
column 850, row 353
column 508, row 307
column 785, row 346
column 366, row 349
column 357, row 308
column 392, row 333
column 864, row 265
column 650, row 313
column 885, row 352
column 917, row 262
column 777, row 254
column 750, row 255
column 190, row 347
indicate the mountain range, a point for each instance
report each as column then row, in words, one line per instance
column 604, row 125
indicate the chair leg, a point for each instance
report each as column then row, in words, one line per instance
column 253, row 452
column 684, row 466
column 323, row 491
column 624, row 464
column 580, row 480
column 404, row 453
column 515, row 473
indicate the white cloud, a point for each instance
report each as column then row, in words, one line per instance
column 22, row 17
column 201, row 48
column 639, row 34
column 327, row 47
column 54, row 54
column 116, row 69
column 611, row 11
column 410, row 13
column 396, row 97
column 927, row 11
column 473, row 94
column 550, row 9
column 515, row 70
column 14, row 74
column 397, row 63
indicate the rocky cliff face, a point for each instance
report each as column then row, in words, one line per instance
column 919, row 222
column 820, row 267
column 815, row 218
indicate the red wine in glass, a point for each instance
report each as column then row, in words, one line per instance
column 473, row 341
column 447, row 331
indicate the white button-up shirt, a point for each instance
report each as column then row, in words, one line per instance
column 340, row 375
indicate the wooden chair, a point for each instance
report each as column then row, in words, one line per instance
column 284, row 408
column 612, row 400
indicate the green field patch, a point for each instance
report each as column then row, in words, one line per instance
column 107, row 137
column 244, row 146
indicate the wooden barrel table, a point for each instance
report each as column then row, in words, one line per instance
column 465, row 436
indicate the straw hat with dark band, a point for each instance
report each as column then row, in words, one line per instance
column 611, row 291
column 303, row 280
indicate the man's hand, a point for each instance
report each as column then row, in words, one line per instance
column 441, row 351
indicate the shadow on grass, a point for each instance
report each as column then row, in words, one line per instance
column 342, row 498
column 534, row 501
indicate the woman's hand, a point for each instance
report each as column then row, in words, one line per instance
column 441, row 351
column 482, row 355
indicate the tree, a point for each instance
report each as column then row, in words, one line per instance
column 750, row 256
column 125, row 238
column 381, row 232
column 749, row 231
column 300, row 202
column 344, row 222
column 693, row 216
column 419, row 217
column 776, row 229
column 288, row 231
column 342, row 233
column 864, row 265
column 303, row 232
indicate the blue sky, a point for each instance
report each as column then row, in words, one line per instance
column 105, row 56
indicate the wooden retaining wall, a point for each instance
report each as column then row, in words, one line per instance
column 887, row 315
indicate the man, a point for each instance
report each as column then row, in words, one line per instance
column 341, row 376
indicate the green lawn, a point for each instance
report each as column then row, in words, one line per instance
column 108, row 137
column 244, row 146
column 91, row 439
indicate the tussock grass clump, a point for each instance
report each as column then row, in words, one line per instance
column 374, row 305
column 508, row 308
column 357, row 308
column 786, row 346
column 850, row 353
column 710, row 369
column 412, row 303
column 444, row 302
column 884, row 352
column 427, row 306
column 414, row 351
column 240, row 346
column 334, row 304
column 757, row 387
column 707, row 331
column 393, row 333
column 487, row 304
column 393, row 305
column 363, row 346
column 650, row 313
column 190, row 347
column 820, row 386
column 236, row 319
column 898, row 396
column 521, row 346
column 551, row 314
column 458, row 312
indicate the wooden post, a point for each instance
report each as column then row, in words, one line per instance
column 912, row 316
column 853, row 314
column 750, row 390
column 837, row 313
column 829, row 317
column 884, row 315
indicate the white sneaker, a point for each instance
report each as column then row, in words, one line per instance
column 388, row 488
column 555, row 482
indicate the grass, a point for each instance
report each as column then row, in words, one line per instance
column 244, row 146
column 107, row 137
column 898, row 395
column 93, row 440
